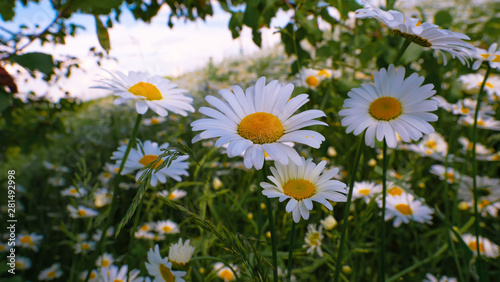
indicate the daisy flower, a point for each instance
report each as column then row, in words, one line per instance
column 74, row 192
column 483, row 121
column 51, row 273
column 167, row 227
column 94, row 276
column 84, row 247
column 98, row 233
column 56, row 181
column 259, row 120
column 176, row 194
column 492, row 56
column 110, row 170
column 23, row 263
column 147, row 153
column 161, row 268
column 313, row 239
column 155, row 93
column 30, row 241
column 102, row 197
column 104, row 260
column 365, row 190
column 116, row 274
column 486, row 247
column 449, row 173
column 480, row 148
column 487, row 188
column 405, row 208
column 431, row 278
column 392, row 105
column 153, row 121
column 312, row 78
column 224, row 272
column 424, row 34
column 329, row 222
column 472, row 82
column 81, row 212
column 180, row 253
column 302, row 185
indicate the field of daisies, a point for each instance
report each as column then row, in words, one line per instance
column 355, row 168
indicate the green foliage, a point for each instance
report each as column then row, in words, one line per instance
column 102, row 34
column 35, row 61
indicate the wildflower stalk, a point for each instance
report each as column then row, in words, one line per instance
column 347, row 208
column 474, row 173
column 290, row 252
column 401, row 51
column 116, row 183
column 271, row 228
column 382, row 220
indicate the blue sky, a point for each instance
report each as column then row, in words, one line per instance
column 154, row 47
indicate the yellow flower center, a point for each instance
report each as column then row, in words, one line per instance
column 166, row 273
column 480, row 122
column 155, row 121
column 51, row 274
column 73, row 191
column 312, row 81
column 473, row 246
column 19, row 264
column 487, row 84
column 118, row 280
column 324, row 72
column 431, row 144
column 464, row 110
column 396, row 191
column 496, row 59
column 2, row 247
column 484, row 203
column 399, row 176
column 385, row 108
column 82, row 212
column 105, row 263
column 315, row 239
column 404, row 209
column 166, row 228
column 299, row 189
column 470, row 146
column 25, row 240
column 226, row 274
column 450, row 176
column 364, row 191
column 145, row 227
column 92, row 275
column 147, row 159
column 261, row 128
column 147, row 90
column 85, row 246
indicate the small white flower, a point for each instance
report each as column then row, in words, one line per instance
column 365, row 190
column 102, row 197
column 180, row 253
column 81, row 212
column 329, row 222
column 51, row 273
column 405, row 208
column 161, row 268
column 167, row 227
column 30, row 241
column 449, row 173
column 313, row 239
column 486, row 247
column 105, row 260
column 224, row 272
column 492, row 56
column 23, row 263
column 84, row 247
column 431, row 278
column 74, row 192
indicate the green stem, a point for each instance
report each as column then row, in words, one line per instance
column 290, row 252
column 347, row 208
column 131, row 142
column 474, row 172
column 401, row 51
column 259, row 210
column 418, row 264
column 271, row 228
column 382, row 220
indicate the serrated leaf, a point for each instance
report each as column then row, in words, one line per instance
column 35, row 61
column 102, row 34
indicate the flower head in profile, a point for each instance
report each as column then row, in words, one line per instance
column 391, row 105
column 486, row 247
column 424, row 34
column 51, row 273
column 302, row 185
column 225, row 272
column 81, row 212
column 161, row 268
column 147, row 153
column 258, row 121
column 312, row 78
column 180, row 253
column 492, row 56
column 150, row 92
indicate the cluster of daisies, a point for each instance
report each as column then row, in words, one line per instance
column 262, row 123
